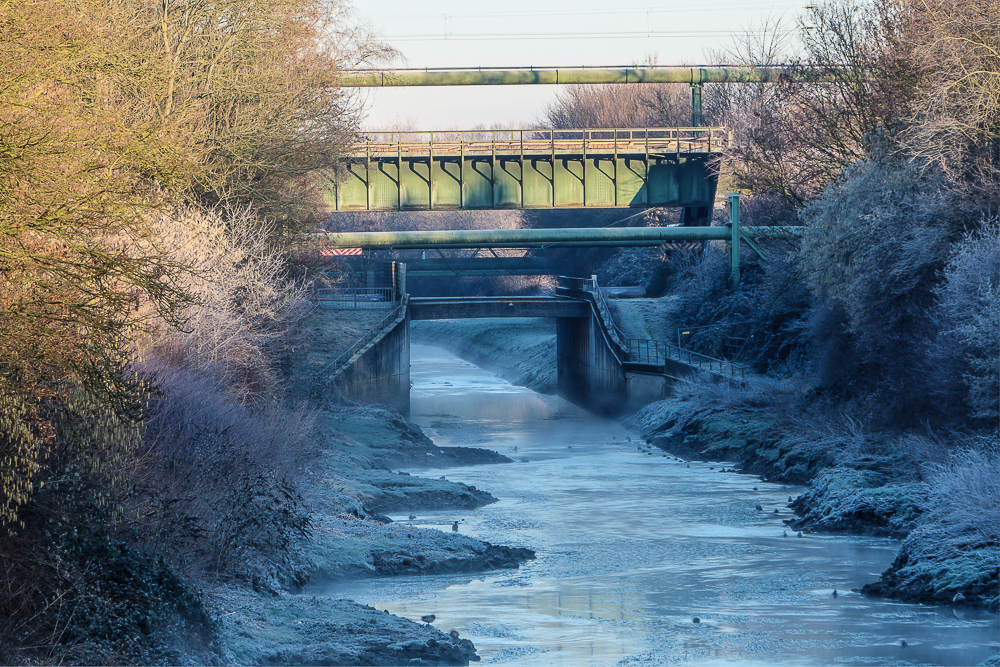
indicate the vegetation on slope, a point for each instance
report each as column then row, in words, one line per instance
column 149, row 153
column 877, row 333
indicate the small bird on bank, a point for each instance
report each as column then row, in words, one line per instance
column 454, row 526
column 453, row 634
column 428, row 618
column 759, row 508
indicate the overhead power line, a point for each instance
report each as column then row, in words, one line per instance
column 572, row 35
column 584, row 12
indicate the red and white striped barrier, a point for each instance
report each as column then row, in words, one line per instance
column 340, row 252
column 689, row 245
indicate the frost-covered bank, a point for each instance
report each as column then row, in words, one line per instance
column 944, row 506
column 346, row 482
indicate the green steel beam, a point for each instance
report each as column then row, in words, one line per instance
column 544, row 238
column 556, row 76
column 584, row 168
column 734, row 239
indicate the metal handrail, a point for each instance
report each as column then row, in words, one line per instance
column 612, row 141
column 661, row 350
column 639, row 352
column 339, row 365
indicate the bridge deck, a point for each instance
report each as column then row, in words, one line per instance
column 450, row 308
column 543, row 142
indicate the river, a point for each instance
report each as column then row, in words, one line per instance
column 634, row 546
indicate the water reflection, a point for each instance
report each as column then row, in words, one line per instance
column 633, row 546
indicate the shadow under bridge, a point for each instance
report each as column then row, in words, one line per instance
column 593, row 368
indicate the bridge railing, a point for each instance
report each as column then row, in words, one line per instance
column 657, row 352
column 610, row 141
column 648, row 351
column 356, row 298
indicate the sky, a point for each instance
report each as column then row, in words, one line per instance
column 542, row 33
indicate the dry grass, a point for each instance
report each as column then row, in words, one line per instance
column 215, row 490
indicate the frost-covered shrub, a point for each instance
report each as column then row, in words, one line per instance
column 970, row 311
column 872, row 258
column 243, row 299
column 965, row 495
column 954, row 556
column 213, row 489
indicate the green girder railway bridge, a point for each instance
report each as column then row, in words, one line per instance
column 532, row 169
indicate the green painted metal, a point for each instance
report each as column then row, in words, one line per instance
column 735, row 238
column 591, row 168
column 696, row 105
column 555, row 76
column 544, row 238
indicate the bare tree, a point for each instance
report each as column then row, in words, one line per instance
column 956, row 121
column 797, row 135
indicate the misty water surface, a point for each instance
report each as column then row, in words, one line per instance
column 633, row 546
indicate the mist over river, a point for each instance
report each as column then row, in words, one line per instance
column 633, row 546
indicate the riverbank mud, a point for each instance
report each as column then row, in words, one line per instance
column 348, row 483
column 877, row 494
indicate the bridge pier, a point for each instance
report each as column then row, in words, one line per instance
column 593, row 367
column 381, row 371
column 588, row 370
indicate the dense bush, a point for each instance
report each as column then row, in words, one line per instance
column 874, row 252
column 970, row 319
column 243, row 302
column 213, row 492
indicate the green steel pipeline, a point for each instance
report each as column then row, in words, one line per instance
column 695, row 76
column 545, row 238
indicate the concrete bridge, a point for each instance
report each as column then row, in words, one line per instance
column 597, row 367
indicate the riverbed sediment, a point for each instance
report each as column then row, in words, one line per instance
column 873, row 494
column 348, row 483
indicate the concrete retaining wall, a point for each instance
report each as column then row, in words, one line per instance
column 380, row 372
column 589, row 365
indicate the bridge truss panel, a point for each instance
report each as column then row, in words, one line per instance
column 531, row 169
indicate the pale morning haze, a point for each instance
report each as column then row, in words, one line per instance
column 542, row 33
